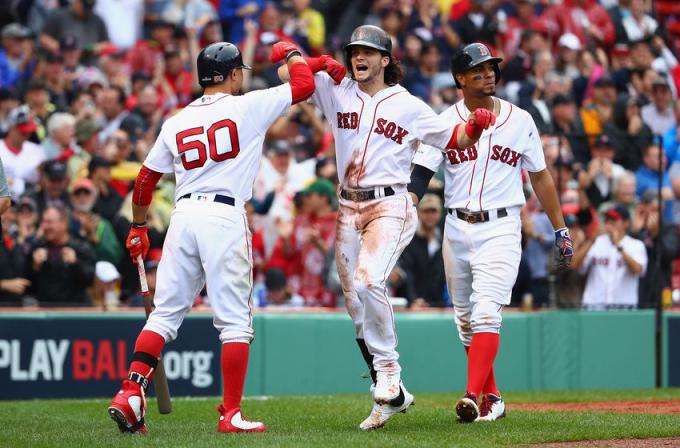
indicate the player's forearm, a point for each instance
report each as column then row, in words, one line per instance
column 546, row 193
column 301, row 79
column 315, row 65
column 139, row 213
column 142, row 193
column 5, row 202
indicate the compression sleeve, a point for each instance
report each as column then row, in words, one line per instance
column 301, row 82
column 144, row 185
column 420, row 179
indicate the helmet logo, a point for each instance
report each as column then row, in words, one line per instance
column 483, row 51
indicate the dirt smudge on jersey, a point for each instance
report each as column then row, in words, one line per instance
column 353, row 171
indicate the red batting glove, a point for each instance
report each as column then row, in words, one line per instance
column 479, row 120
column 280, row 50
column 136, row 248
column 336, row 70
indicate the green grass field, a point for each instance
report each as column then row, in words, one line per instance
column 331, row 421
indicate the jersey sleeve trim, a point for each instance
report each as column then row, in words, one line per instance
column 152, row 167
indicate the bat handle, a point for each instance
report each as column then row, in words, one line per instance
column 140, row 269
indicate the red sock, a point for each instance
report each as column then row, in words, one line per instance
column 490, row 386
column 149, row 346
column 234, row 367
column 481, row 355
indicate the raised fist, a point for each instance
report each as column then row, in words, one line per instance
column 280, row 51
column 336, row 70
column 482, row 118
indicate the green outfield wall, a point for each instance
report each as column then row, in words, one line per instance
column 316, row 354
column 85, row 354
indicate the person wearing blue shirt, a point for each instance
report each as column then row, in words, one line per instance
column 647, row 177
column 233, row 14
column 12, row 54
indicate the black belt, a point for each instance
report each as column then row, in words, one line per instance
column 218, row 198
column 363, row 195
column 475, row 217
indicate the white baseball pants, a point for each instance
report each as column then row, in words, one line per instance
column 371, row 236
column 207, row 243
column 481, row 261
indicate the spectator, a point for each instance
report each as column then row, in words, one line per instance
column 146, row 55
column 78, row 20
column 638, row 24
column 60, row 267
column 671, row 139
column 600, row 110
column 630, row 134
column 108, row 200
column 585, row 18
column 106, row 288
column 61, row 129
column 52, row 187
column 539, row 241
column 568, row 47
column 648, row 174
column 15, row 57
column 8, row 101
column 623, row 195
column 233, row 14
column 112, row 104
column 123, row 20
column 38, row 100
column 418, row 80
column 479, row 25
column 659, row 114
column 90, row 226
column 20, row 157
column 311, row 240
column 145, row 120
column 12, row 260
column 51, row 69
column 309, row 24
column 598, row 178
column 519, row 66
column 179, row 78
column 87, row 141
column 421, row 265
column 27, row 222
column 613, row 264
column 276, row 293
column 124, row 166
column 567, row 124
column 655, row 236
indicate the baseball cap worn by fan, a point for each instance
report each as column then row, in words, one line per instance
column 85, row 129
column 106, row 272
column 570, row 41
column 22, row 118
column 617, row 213
column 324, row 187
column 603, row 142
column 55, row 170
column 83, row 184
column 98, row 162
column 16, row 31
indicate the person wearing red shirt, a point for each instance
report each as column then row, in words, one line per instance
column 311, row 238
column 585, row 18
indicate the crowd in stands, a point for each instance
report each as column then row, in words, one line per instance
column 85, row 86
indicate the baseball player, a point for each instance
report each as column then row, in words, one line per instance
column 483, row 196
column 213, row 146
column 377, row 126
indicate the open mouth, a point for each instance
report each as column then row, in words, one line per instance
column 361, row 68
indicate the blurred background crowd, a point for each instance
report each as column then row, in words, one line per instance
column 86, row 84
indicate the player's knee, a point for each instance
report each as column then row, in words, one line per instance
column 236, row 335
column 168, row 332
column 486, row 317
column 462, row 317
column 363, row 286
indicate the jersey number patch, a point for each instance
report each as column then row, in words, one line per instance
column 183, row 145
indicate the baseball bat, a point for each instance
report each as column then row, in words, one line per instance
column 160, row 381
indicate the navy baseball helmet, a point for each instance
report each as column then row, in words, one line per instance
column 368, row 36
column 216, row 61
column 471, row 56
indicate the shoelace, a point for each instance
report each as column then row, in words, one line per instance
column 485, row 408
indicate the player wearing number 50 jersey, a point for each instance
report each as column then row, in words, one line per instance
column 213, row 146
column 377, row 126
column 483, row 195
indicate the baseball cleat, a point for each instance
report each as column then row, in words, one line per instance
column 233, row 421
column 383, row 412
column 467, row 409
column 491, row 409
column 387, row 387
column 128, row 407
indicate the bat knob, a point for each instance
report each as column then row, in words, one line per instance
column 136, row 240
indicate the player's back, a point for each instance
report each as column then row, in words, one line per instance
column 214, row 145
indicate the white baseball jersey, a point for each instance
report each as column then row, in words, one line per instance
column 214, row 145
column 21, row 167
column 488, row 175
column 609, row 281
column 376, row 137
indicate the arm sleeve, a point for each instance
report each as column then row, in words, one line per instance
column 4, row 189
column 420, row 179
column 432, row 129
column 144, row 185
column 301, row 82
column 267, row 105
column 532, row 156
